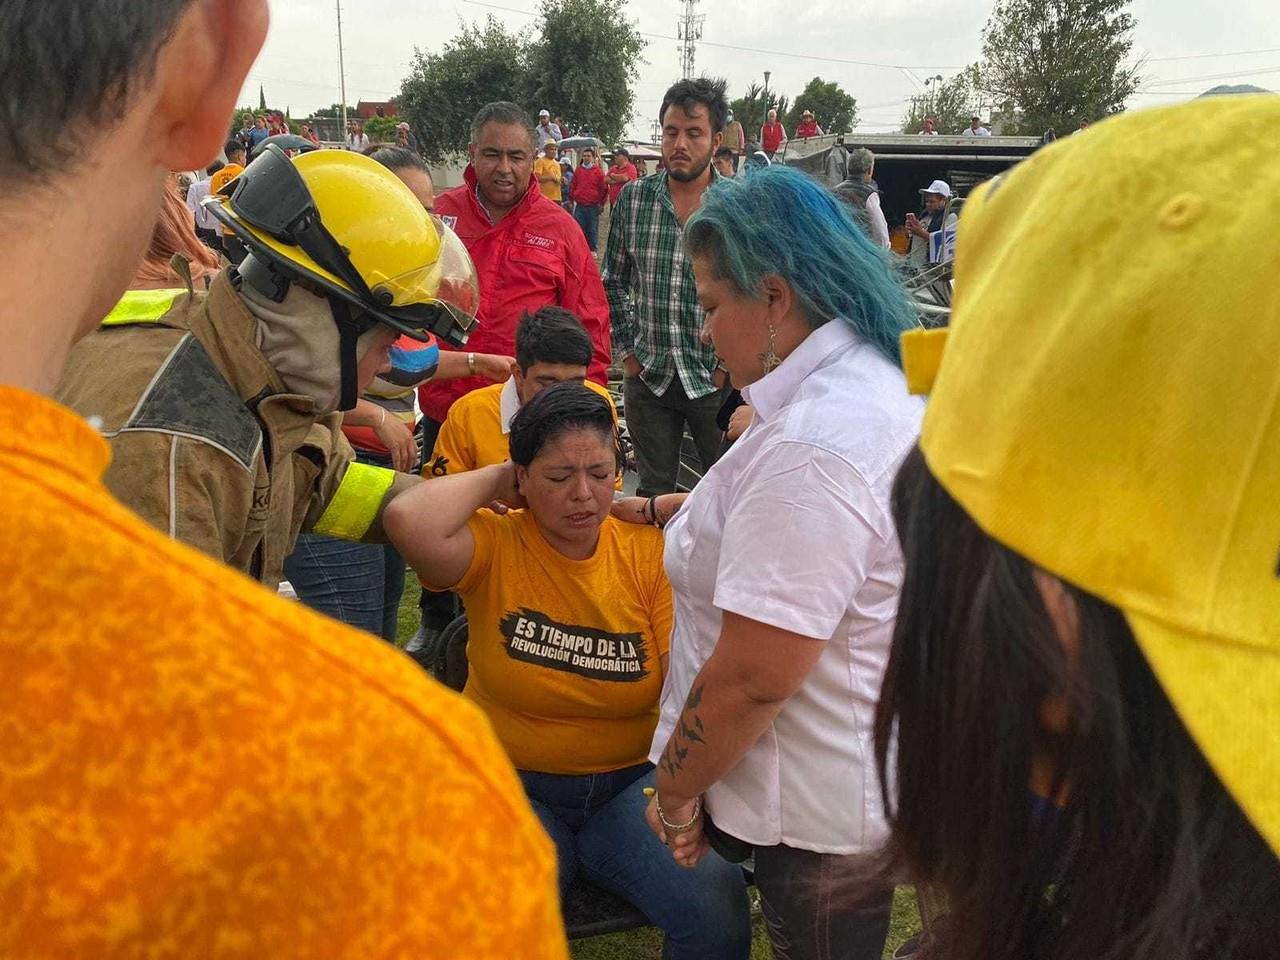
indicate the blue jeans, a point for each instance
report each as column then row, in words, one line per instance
column 598, row 826
column 589, row 220
column 357, row 583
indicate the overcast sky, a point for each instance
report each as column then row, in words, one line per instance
column 1190, row 45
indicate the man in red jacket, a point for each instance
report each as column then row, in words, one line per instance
column 589, row 193
column 528, row 252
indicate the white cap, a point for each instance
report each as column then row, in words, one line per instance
column 544, row 113
column 939, row 187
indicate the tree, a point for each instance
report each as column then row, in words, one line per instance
column 750, row 110
column 381, row 129
column 835, row 110
column 1059, row 61
column 951, row 105
column 445, row 89
column 334, row 111
column 583, row 64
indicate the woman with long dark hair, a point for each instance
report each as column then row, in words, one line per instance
column 1079, row 729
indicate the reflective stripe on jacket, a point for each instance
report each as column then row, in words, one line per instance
column 206, row 443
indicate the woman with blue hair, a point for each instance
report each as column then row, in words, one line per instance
column 783, row 561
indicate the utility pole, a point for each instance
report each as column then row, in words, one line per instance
column 342, row 78
column 689, row 32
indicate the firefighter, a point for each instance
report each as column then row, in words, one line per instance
column 224, row 409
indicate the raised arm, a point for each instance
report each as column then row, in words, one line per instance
column 429, row 525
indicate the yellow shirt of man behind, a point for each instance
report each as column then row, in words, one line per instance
column 546, row 167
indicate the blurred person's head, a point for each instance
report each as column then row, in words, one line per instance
column 692, row 116
column 860, row 164
column 773, row 116
column 552, row 346
column 764, row 291
column 724, row 162
column 567, row 454
column 587, row 157
column 974, row 123
column 550, row 149
column 929, row 124
column 621, row 157
column 1076, row 733
column 260, row 122
column 135, row 90
column 235, row 152
column 410, row 168
column 501, row 153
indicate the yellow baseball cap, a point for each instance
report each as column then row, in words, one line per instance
column 1108, row 400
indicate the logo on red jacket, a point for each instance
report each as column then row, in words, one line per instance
column 450, row 222
column 533, row 240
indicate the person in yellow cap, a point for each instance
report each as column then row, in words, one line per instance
column 1083, row 695
column 224, row 411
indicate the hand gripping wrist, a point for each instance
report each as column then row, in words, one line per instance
column 680, row 827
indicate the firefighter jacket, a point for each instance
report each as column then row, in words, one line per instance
column 206, row 442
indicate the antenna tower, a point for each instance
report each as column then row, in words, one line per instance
column 689, row 32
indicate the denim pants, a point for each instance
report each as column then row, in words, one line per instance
column 807, row 912
column 598, row 826
column 358, row 584
column 588, row 218
column 656, row 423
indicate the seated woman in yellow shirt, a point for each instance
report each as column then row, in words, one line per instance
column 569, row 614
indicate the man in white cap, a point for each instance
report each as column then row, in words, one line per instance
column 544, row 131
column 405, row 137
column 935, row 221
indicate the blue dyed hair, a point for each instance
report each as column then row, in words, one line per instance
column 779, row 222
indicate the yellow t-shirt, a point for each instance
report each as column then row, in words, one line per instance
column 472, row 437
column 546, row 167
column 566, row 655
column 191, row 766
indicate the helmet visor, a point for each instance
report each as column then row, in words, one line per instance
column 450, row 312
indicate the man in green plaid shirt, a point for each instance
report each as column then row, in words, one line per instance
column 671, row 378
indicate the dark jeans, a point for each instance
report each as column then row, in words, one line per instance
column 597, row 824
column 588, row 218
column 357, row 583
column 656, row 425
column 438, row 609
column 807, row 912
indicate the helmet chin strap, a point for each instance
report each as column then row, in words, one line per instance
column 348, row 335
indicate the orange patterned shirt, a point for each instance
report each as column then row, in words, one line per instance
column 192, row 767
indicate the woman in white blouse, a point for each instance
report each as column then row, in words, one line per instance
column 784, row 563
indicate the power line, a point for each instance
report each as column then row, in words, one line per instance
column 1212, row 76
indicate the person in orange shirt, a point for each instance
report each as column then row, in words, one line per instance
column 569, row 615
column 191, row 766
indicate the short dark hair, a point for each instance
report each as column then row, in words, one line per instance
column 557, row 410
column 214, row 167
column 396, row 158
column 622, row 152
column 551, row 335
column 233, row 146
column 701, row 91
column 66, row 62
column 724, row 152
column 502, row 112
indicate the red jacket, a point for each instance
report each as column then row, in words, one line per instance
column 771, row 137
column 588, row 186
column 536, row 256
column 630, row 172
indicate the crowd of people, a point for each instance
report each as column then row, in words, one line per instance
column 1018, row 643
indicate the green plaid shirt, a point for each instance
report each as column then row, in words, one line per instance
column 653, row 303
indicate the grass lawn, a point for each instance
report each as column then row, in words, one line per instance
column 647, row 944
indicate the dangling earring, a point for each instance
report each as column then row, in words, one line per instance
column 769, row 359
